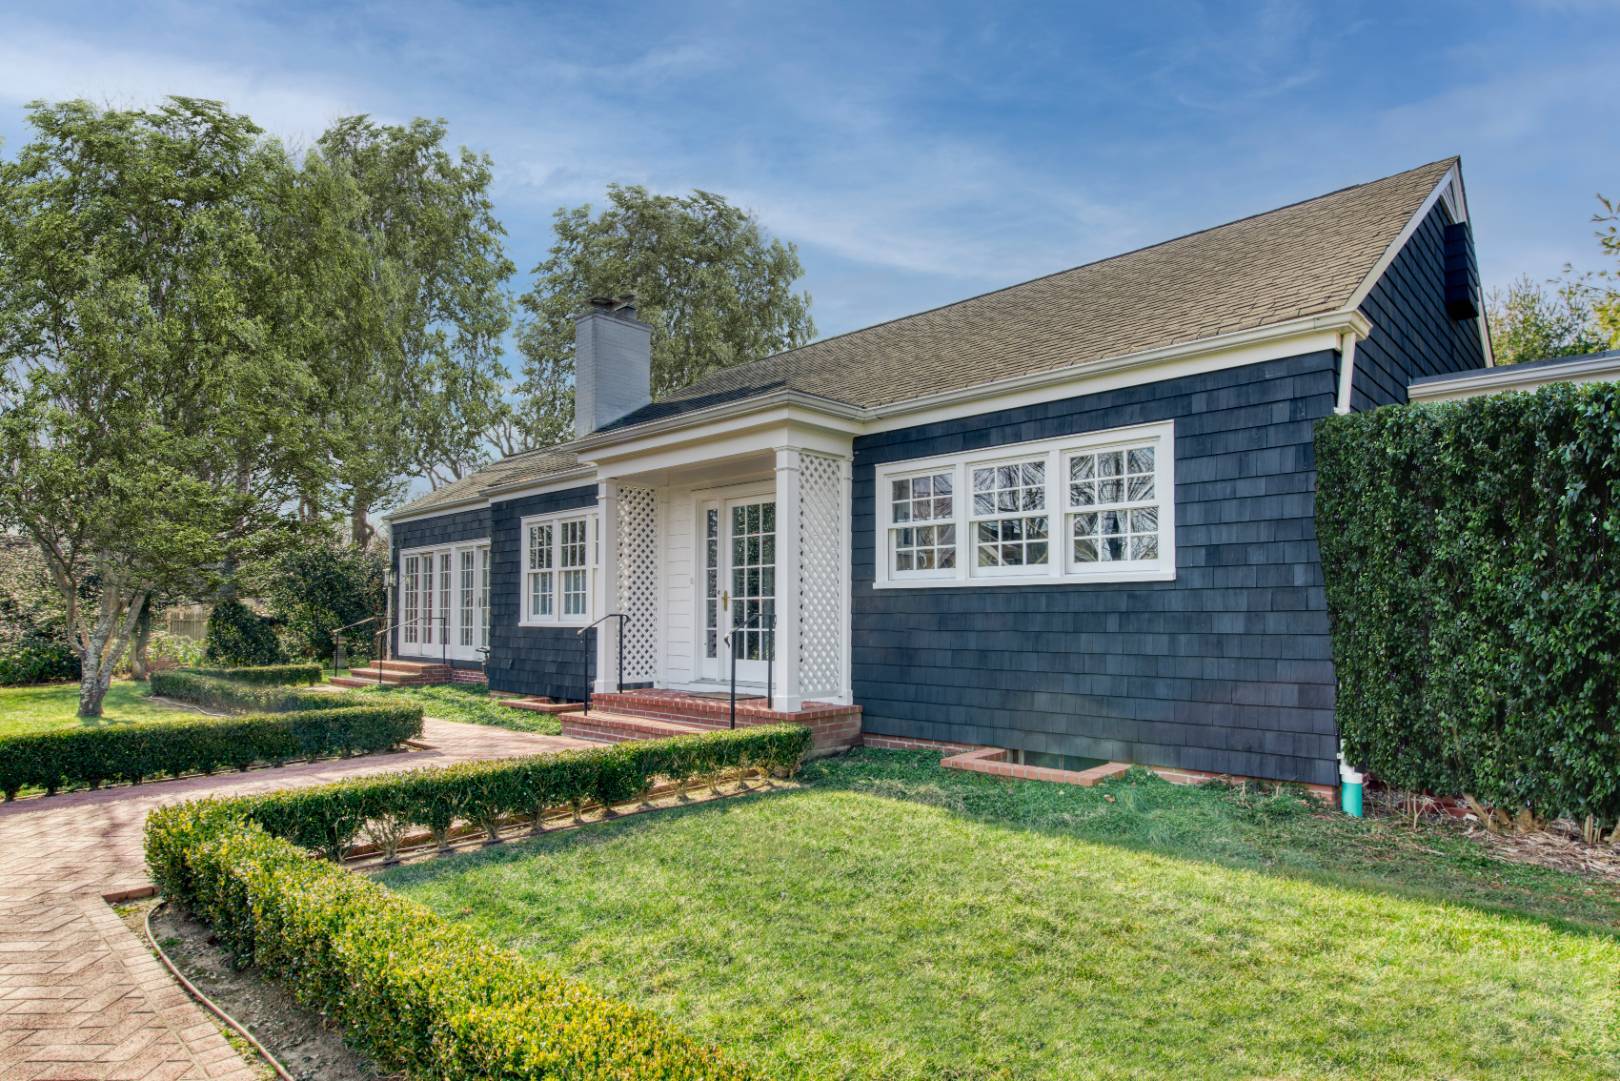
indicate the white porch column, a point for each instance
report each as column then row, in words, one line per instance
column 607, row 585
column 789, row 512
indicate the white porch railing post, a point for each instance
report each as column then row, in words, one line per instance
column 789, row 576
column 607, row 584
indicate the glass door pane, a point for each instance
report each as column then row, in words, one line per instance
column 752, row 561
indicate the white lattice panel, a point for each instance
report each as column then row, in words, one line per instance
column 637, row 552
column 822, row 536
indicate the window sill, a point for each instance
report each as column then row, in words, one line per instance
column 1153, row 574
column 569, row 624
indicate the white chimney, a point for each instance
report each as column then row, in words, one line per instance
column 612, row 364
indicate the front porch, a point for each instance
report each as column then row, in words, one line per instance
column 728, row 565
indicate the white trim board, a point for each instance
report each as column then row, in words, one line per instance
column 1604, row 369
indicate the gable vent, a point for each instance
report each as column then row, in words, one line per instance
column 1462, row 276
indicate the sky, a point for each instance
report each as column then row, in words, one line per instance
column 915, row 153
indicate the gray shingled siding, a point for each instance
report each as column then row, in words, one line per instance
column 426, row 532
column 1227, row 668
column 556, row 663
column 1412, row 334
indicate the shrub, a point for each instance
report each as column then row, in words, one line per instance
column 134, row 753
column 216, row 693
column 265, row 674
column 415, row 992
column 37, row 660
column 329, row 818
column 1471, row 554
column 237, row 635
column 319, row 586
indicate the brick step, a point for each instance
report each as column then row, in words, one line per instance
column 393, row 677
column 409, row 666
column 604, row 727
column 350, row 681
column 542, row 705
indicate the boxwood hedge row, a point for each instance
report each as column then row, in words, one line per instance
column 1471, row 554
column 418, row 994
column 330, row 818
column 264, row 674
column 190, row 685
column 134, row 753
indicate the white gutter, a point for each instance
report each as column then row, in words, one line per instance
column 1347, row 371
column 1599, row 369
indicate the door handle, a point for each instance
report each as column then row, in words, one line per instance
column 725, row 600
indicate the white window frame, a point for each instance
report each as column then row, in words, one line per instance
column 1061, row 567
column 417, row 639
column 592, row 569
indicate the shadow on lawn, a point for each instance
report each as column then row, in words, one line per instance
column 1254, row 828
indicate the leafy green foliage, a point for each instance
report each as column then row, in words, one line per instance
column 239, row 636
column 216, row 693
column 1534, row 321
column 36, row 660
column 717, row 290
column 36, row 645
column 268, row 675
column 329, row 818
column 469, row 703
column 133, row 753
column 157, row 406
column 417, row 994
column 316, row 587
column 1472, row 560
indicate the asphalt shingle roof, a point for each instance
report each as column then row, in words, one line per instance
column 1299, row 260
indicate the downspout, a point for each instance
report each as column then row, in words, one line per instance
column 1347, row 370
column 1350, row 778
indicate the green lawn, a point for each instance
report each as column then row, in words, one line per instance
column 895, row 920
column 45, row 706
column 470, row 704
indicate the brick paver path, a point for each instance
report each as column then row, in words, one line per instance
column 80, row 996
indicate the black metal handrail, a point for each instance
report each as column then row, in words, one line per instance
column 770, row 659
column 339, row 659
column 444, row 641
column 621, row 617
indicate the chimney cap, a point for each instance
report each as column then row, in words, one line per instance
column 614, row 304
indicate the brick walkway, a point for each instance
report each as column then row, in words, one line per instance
column 80, row 996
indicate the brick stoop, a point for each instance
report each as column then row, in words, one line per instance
column 542, row 705
column 835, row 727
column 619, row 727
column 397, row 674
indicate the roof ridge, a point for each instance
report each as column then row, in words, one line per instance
column 1452, row 159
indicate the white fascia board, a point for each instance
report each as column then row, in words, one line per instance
column 727, row 436
column 608, row 444
column 1448, row 189
column 1511, row 377
column 1310, row 334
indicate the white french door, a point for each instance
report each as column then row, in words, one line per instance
column 444, row 602
column 738, row 538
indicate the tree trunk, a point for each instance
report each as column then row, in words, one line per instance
column 140, row 665
column 104, row 645
column 360, row 530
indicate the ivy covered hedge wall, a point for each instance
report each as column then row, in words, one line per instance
column 1471, row 552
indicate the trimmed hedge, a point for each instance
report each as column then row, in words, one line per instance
column 264, row 674
column 189, row 685
column 331, row 817
column 415, row 992
column 133, row 753
column 1471, row 554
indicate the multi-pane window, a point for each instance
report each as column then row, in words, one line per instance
column 1010, row 526
column 923, row 512
column 411, row 629
column 541, row 574
column 1114, row 505
column 560, row 563
column 753, row 580
column 442, row 610
column 1089, row 507
column 711, row 582
column 574, row 550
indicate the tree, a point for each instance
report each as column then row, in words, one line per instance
column 318, row 586
column 156, row 408
column 1532, row 320
column 1608, row 307
column 414, row 367
column 715, row 288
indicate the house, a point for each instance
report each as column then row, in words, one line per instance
column 1071, row 519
